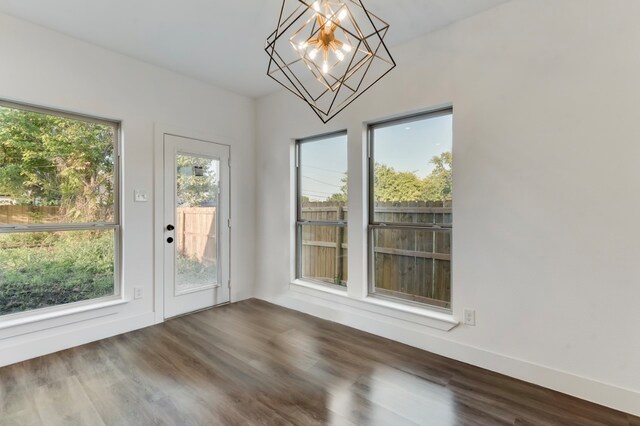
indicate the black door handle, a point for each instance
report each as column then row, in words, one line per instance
column 170, row 240
column 170, row 228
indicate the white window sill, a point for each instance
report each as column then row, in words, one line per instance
column 423, row 316
column 328, row 288
column 50, row 315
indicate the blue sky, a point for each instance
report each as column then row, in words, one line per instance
column 406, row 147
column 323, row 165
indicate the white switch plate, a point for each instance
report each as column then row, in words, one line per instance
column 140, row 196
column 137, row 292
column 470, row 317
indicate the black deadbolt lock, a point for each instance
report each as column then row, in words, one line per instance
column 170, row 228
column 170, row 240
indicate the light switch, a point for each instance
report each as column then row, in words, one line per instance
column 140, row 196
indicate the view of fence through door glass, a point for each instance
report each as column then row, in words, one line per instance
column 411, row 209
column 322, row 209
column 197, row 195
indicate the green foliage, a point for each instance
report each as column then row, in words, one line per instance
column 57, row 161
column 338, row 197
column 439, row 184
column 342, row 196
column 196, row 191
column 44, row 269
column 48, row 160
column 192, row 272
column 393, row 186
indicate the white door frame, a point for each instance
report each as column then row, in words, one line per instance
column 158, row 206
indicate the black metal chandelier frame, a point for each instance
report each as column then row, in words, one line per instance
column 281, row 69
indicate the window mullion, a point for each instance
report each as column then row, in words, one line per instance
column 322, row 223
column 57, row 227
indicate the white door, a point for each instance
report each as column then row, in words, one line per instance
column 196, row 225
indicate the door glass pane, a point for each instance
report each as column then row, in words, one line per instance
column 197, row 196
column 44, row 269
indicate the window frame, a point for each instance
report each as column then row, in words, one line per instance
column 114, row 225
column 299, row 222
column 372, row 224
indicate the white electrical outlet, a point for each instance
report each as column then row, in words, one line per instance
column 470, row 317
column 137, row 292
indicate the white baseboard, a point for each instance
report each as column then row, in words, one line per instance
column 53, row 342
column 413, row 335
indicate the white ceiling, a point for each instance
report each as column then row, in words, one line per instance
column 220, row 42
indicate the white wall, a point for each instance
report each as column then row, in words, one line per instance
column 45, row 68
column 546, row 96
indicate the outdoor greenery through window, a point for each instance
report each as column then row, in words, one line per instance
column 58, row 208
column 411, row 209
column 322, row 209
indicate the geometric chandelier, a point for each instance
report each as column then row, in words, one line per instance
column 328, row 52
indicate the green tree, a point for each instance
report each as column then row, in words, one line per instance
column 340, row 197
column 439, row 184
column 52, row 160
column 393, row 186
column 197, row 181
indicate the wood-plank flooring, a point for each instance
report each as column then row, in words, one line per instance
column 252, row 363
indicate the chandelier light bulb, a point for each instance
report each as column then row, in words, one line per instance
column 326, row 39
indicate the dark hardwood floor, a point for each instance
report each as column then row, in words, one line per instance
column 253, row 363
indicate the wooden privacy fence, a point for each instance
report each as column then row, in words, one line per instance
column 411, row 264
column 196, row 234
column 22, row 215
column 325, row 248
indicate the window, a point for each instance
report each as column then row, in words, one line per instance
column 59, row 221
column 322, row 210
column 410, row 209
